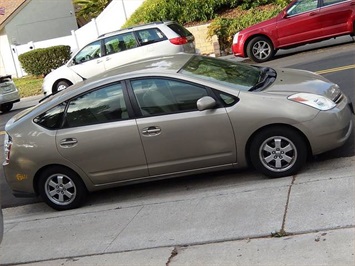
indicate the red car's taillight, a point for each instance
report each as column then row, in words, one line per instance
column 179, row 40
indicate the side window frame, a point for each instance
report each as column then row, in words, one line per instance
column 137, row 110
column 303, row 12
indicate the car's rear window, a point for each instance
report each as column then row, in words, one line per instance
column 180, row 30
column 150, row 35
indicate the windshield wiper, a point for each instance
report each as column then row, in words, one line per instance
column 267, row 76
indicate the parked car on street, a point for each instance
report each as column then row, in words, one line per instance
column 301, row 22
column 120, row 47
column 170, row 116
column 9, row 94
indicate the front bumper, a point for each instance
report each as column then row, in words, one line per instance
column 331, row 129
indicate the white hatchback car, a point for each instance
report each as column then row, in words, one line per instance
column 118, row 48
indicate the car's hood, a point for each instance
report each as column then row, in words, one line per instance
column 260, row 27
column 290, row 81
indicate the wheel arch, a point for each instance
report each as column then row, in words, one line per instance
column 54, row 86
column 251, row 138
column 41, row 170
column 247, row 41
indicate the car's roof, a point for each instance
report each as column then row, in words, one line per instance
column 137, row 27
column 166, row 64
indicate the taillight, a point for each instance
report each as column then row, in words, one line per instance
column 179, row 40
column 7, row 147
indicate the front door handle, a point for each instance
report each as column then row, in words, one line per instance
column 68, row 143
column 151, row 131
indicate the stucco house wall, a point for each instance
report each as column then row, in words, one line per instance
column 41, row 20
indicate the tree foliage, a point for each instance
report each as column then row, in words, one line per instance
column 90, row 8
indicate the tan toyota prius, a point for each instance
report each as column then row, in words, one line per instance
column 171, row 116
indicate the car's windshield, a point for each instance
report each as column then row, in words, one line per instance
column 235, row 75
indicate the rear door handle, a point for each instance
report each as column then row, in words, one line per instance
column 151, row 131
column 68, row 143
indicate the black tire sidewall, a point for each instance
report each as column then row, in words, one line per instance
column 81, row 191
column 62, row 82
column 6, row 107
column 251, row 44
column 288, row 133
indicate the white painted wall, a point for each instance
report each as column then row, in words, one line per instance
column 111, row 19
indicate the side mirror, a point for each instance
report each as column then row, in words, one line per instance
column 284, row 14
column 205, row 103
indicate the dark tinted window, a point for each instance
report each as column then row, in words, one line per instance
column 51, row 119
column 180, row 30
column 163, row 96
column 99, row 106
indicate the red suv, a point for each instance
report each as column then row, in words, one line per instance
column 301, row 22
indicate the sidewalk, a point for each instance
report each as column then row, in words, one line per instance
column 220, row 220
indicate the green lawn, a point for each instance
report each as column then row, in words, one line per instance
column 29, row 86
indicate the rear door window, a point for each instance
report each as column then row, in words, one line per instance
column 119, row 43
column 100, row 106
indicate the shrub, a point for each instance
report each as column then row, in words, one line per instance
column 185, row 11
column 41, row 61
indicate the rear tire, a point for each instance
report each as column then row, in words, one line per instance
column 61, row 188
column 278, row 151
column 260, row 49
column 6, row 107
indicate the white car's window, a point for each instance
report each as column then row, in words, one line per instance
column 119, row 43
column 302, row 6
column 100, row 106
column 162, row 96
column 151, row 35
column 89, row 52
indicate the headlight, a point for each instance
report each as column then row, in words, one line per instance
column 317, row 101
column 235, row 38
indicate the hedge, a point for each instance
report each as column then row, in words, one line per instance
column 41, row 61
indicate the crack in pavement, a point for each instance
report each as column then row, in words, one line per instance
column 174, row 253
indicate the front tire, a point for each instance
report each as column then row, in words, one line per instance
column 278, row 152
column 62, row 85
column 61, row 188
column 260, row 49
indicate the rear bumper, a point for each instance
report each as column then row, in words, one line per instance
column 11, row 97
